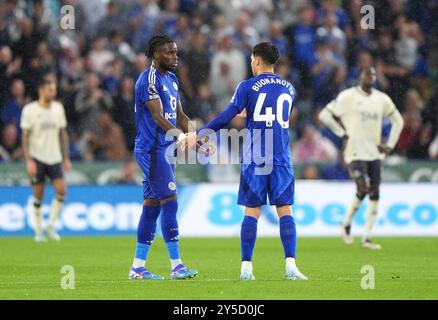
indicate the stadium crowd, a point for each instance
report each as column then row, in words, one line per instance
column 322, row 43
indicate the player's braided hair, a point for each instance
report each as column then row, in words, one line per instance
column 155, row 42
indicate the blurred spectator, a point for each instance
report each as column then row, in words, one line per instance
column 108, row 143
column 100, row 57
column 167, row 18
column 396, row 74
column 208, row 9
column 48, row 63
column 142, row 20
column 139, row 65
column 328, row 71
column 228, row 69
column 410, row 131
column 119, row 47
column 31, row 74
column 10, row 143
column 364, row 60
column 419, row 148
column 329, row 7
column 202, row 106
column 335, row 35
column 11, row 111
column 27, row 40
column 301, row 37
column 277, row 38
column 111, row 80
column 123, row 111
column 112, row 19
column 195, row 68
column 90, row 102
column 312, row 147
column 406, row 46
column 244, row 35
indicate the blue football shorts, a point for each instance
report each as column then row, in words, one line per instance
column 159, row 179
column 279, row 185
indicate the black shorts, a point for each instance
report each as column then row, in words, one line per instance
column 368, row 170
column 53, row 171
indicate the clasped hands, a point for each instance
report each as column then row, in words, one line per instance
column 189, row 140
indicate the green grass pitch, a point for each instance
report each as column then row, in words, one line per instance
column 406, row 268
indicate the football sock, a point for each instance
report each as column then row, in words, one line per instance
column 55, row 209
column 288, row 235
column 248, row 235
column 246, row 265
column 290, row 262
column 38, row 216
column 169, row 228
column 174, row 263
column 352, row 211
column 145, row 234
column 371, row 218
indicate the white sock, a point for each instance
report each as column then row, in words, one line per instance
column 371, row 217
column 175, row 262
column 290, row 263
column 38, row 220
column 246, row 265
column 138, row 263
column 352, row 211
column 55, row 209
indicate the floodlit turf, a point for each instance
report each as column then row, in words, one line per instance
column 406, row 268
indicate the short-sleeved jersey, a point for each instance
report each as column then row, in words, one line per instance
column 44, row 125
column 153, row 85
column 362, row 115
column 268, row 100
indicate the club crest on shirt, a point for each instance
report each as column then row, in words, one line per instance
column 172, row 186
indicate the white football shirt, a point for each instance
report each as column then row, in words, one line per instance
column 44, row 125
column 362, row 114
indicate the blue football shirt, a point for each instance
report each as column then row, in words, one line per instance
column 268, row 101
column 151, row 85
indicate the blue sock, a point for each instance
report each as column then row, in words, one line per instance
column 173, row 249
column 288, row 235
column 248, row 235
column 169, row 228
column 146, row 230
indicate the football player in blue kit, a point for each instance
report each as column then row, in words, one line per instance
column 157, row 110
column 267, row 100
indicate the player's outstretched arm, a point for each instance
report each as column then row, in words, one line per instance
column 221, row 120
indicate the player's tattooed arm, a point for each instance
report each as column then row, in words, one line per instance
column 63, row 135
column 30, row 163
